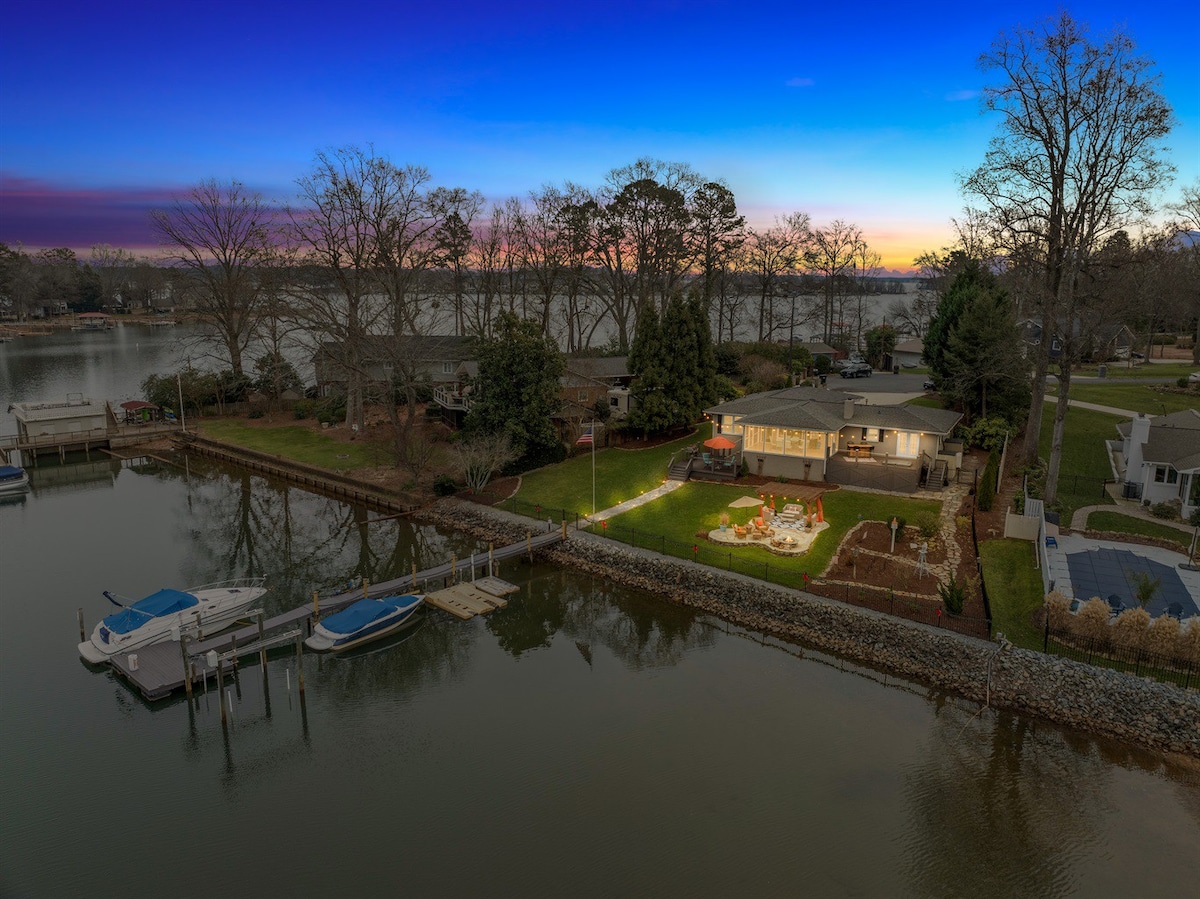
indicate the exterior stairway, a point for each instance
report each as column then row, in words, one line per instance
column 679, row 469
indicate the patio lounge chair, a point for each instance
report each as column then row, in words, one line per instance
column 739, row 531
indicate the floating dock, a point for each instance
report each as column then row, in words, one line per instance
column 158, row 670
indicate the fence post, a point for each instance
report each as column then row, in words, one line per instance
column 1046, row 635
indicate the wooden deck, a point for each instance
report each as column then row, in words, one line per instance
column 159, row 670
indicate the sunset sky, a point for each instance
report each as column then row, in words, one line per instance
column 864, row 111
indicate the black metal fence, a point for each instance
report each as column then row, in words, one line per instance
column 881, row 599
column 1168, row 669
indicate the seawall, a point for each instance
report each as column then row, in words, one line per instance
column 1097, row 700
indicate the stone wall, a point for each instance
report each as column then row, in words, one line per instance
column 1097, row 700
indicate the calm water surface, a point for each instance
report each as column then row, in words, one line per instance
column 587, row 740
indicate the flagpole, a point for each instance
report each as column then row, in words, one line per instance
column 593, row 468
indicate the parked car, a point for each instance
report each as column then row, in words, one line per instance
column 1194, row 377
column 857, row 370
column 928, row 384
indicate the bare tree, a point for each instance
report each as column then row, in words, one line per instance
column 1075, row 158
column 1188, row 228
column 481, row 456
column 770, row 256
column 830, row 255
column 220, row 234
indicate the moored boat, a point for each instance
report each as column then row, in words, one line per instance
column 163, row 615
column 13, row 478
column 363, row 621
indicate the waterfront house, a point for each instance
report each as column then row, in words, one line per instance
column 810, row 434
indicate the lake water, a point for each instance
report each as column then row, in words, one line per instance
column 586, row 740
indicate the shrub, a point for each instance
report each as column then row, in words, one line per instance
column 1162, row 636
column 1058, row 607
column 1130, row 628
column 303, row 409
column 1168, row 509
column 255, row 413
column 1092, row 619
column 953, row 594
column 1182, row 382
column 927, row 524
column 1189, row 641
column 443, row 485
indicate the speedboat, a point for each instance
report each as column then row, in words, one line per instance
column 165, row 614
column 13, row 478
column 363, row 621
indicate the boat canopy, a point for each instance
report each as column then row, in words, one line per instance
column 156, row 605
column 358, row 615
column 8, row 472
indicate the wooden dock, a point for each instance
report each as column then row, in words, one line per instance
column 159, row 670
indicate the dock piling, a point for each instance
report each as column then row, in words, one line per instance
column 187, row 667
column 221, row 689
column 82, row 630
column 262, row 642
column 300, row 665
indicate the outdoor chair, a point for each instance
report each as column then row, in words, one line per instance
column 739, row 531
column 1051, row 541
column 706, row 458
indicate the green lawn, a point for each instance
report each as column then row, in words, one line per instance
column 1085, row 460
column 1166, row 370
column 696, row 507
column 1014, row 589
column 1135, row 397
column 301, row 444
column 1128, row 524
column 932, row 402
column 621, row 474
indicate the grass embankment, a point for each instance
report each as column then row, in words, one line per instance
column 1085, row 462
column 301, row 444
column 1134, row 397
column 696, row 507
column 621, row 474
column 1014, row 589
column 1128, row 524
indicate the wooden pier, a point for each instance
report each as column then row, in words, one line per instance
column 158, row 670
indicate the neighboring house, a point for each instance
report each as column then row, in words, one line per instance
column 586, row 382
column 907, row 353
column 1106, row 342
column 429, row 358
column 820, row 435
column 818, row 348
column 1162, row 458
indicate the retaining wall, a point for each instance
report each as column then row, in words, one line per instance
column 1098, row 700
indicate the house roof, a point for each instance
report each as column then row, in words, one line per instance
column 425, row 347
column 805, row 408
column 915, row 345
column 1174, row 440
column 599, row 368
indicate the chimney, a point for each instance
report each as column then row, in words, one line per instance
column 848, row 409
column 1140, row 431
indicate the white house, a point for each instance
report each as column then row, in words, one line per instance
column 1162, row 455
column 907, row 353
column 823, row 435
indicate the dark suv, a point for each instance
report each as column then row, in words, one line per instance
column 857, row 370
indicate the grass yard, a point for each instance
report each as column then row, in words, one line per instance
column 620, row 475
column 1014, row 589
column 301, row 444
column 695, row 507
column 1128, row 524
column 932, row 402
column 1085, row 462
column 1135, row 397
column 1165, row 370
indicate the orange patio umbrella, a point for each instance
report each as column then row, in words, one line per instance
column 719, row 443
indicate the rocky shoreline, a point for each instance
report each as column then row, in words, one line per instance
column 1096, row 700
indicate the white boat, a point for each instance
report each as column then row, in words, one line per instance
column 363, row 621
column 161, row 616
column 13, row 479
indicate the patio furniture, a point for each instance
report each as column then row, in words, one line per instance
column 706, row 458
column 739, row 531
column 1051, row 541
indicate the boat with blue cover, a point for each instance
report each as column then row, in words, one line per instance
column 163, row 615
column 363, row 621
column 13, row 478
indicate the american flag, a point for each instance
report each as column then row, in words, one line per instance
column 585, row 439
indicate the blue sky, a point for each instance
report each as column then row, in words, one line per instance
column 864, row 111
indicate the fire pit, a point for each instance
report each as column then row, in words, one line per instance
column 786, row 541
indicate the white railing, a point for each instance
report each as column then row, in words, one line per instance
column 448, row 398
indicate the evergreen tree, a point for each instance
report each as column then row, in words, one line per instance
column 651, row 406
column 971, row 275
column 986, row 373
column 706, row 359
column 517, row 390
